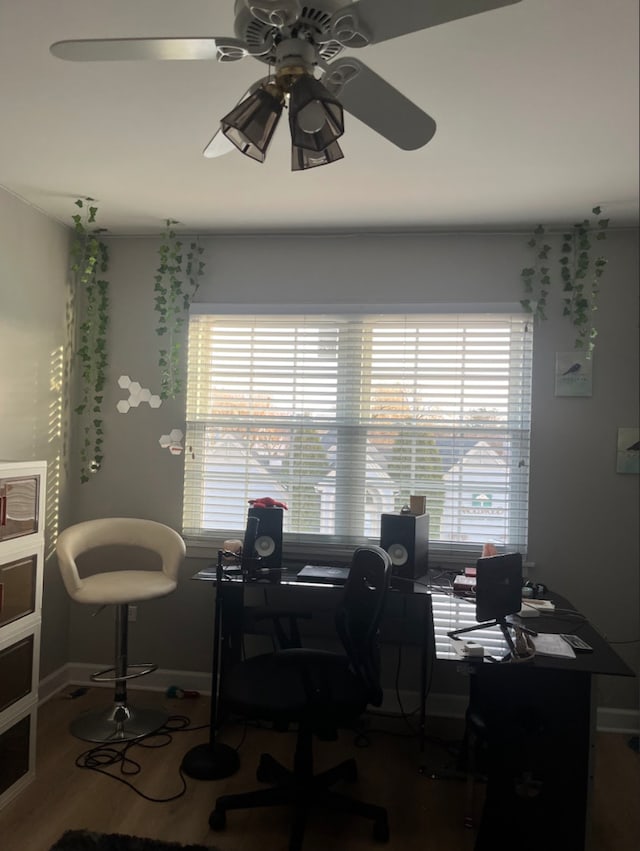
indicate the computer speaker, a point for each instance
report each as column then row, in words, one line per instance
column 268, row 542
column 406, row 538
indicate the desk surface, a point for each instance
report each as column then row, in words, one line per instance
column 452, row 612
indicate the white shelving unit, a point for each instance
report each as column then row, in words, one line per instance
column 22, row 522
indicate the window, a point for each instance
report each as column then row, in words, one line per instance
column 342, row 417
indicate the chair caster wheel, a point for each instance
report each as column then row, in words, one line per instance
column 381, row 830
column 218, row 820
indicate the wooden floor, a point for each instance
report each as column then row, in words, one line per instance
column 424, row 813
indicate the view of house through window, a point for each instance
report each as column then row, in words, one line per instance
column 343, row 417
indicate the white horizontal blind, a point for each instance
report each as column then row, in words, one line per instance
column 450, row 613
column 342, row 417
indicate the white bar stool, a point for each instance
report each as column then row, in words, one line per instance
column 120, row 587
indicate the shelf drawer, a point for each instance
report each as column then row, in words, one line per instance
column 19, row 506
column 16, row 671
column 18, row 586
column 17, row 755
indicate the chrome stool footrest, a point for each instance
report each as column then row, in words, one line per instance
column 101, row 676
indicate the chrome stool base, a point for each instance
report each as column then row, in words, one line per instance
column 119, row 723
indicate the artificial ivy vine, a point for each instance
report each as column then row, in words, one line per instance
column 89, row 264
column 176, row 282
column 536, row 279
column 580, row 275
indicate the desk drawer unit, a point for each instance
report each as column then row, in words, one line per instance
column 17, row 754
column 20, row 502
column 18, row 583
column 22, row 519
column 19, row 655
column 16, row 671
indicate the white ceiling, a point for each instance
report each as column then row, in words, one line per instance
column 536, row 106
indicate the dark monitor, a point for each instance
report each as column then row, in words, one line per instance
column 498, row 586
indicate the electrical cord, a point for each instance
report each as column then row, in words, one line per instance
column 103, row 756
column 525, row 649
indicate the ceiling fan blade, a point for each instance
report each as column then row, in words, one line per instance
column 219, row 145
column 371, row 21
column 376, row 103
column 119, row 49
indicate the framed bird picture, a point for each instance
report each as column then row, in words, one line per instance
column 573, row 374
column 628, row 454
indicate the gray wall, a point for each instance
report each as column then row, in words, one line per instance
column 33, row 407
column 584, row 517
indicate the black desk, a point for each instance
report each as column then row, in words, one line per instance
column 249, row 607
column 553, row 698
column 541, row 769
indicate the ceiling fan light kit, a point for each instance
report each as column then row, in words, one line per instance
column 316, row 119
column 300, row 42
column 303, row 158
column 251, row 124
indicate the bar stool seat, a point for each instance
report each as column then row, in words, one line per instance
column 123, row 586
column 120, row 587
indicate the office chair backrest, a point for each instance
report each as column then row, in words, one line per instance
column 358, row 617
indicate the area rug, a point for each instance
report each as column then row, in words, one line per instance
column 87, row 840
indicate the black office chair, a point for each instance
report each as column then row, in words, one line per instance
column 321, row 691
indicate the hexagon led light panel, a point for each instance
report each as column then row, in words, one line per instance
column 137, row 394
column 172, row 441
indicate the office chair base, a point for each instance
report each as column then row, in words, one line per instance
column 304, row 792
column 119, row 723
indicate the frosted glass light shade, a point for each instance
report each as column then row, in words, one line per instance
column 251, row 124
column 316, row 119
column 303, row 158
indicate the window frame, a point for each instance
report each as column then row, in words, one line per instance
column 301, row 547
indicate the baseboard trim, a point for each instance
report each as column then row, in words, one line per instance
column 79, row 674
column 609, row 719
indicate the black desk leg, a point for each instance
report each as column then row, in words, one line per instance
column 426, row 660
column 213, row 760
column 539, row 735
column 231, row 634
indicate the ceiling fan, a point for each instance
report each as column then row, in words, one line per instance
column 301, row 43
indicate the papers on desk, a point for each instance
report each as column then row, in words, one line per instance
column 548, row 644
column 540, row 605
